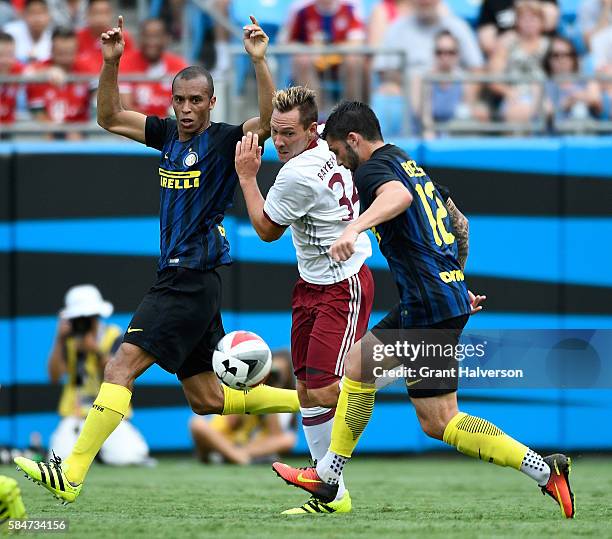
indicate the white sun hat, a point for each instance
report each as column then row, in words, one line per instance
column 85, row 300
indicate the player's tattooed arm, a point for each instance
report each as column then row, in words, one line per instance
column 462, row 231
column 256, row 44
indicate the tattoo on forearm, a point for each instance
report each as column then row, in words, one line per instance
column 462, row 230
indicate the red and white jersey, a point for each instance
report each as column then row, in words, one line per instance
column 8, row 96
column 68, row 102
column 150, row 98
column 318, row 199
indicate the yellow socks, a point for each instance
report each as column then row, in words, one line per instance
column 259, row 400
column 353, row 413
column 480, row 439
column 106, row 413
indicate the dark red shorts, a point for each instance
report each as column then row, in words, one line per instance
column 326, row 321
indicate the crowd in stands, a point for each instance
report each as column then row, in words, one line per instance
column 535, row 40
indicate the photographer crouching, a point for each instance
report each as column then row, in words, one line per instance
column 83, row 345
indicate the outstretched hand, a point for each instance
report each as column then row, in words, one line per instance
column 248, row 157
column 113, row 43
column 475, row 301
column 255, row 40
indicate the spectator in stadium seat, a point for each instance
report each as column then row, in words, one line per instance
column 601, row 56
column 416, row 34
column 7, row 13
column 151, row 58
column 567, row 100
column 99, row 19
column 499, row 16
column 82, row 347
column 446, row 101
column 9, row 65
column 383, row 14
column 243, row 439
column 32, row 33
column 328, row 22
column 521, row 52
column 68, row 13
column 593, row 16
column 57, row 101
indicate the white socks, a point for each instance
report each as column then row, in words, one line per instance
column 330, row 467
column 534, row 466
column 317, row 423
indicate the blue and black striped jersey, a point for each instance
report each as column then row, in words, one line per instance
column 197, row 180
column 419, row 244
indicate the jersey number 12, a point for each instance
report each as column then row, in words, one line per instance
column 427, row 196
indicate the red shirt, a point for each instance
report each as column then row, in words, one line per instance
column 66, row 103
column 8, row 96
column 311, row 26
column 90, row 48
column 150, row 98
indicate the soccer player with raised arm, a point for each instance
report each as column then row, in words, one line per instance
column 416, row 237
column 332, row 300
column 178, row 323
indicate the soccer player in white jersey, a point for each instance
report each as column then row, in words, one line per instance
column 332, row 301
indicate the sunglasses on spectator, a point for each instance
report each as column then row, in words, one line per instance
column 447, row 52
column 561, row 54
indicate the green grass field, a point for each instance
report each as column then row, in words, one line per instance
column 407, row 497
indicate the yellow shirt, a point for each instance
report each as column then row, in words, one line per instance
column 84, row 373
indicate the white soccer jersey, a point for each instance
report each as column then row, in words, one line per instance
column 317, row 198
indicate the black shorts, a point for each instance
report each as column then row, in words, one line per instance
column 179, row 321
column 441, row 336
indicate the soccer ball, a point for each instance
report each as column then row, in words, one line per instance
column 242, row 360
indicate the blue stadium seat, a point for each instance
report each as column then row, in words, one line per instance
column 466, row 9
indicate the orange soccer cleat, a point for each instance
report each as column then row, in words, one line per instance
column 308, row 480
column 558, row 486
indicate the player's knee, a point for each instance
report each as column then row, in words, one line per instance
column 118, row 370
column 326, row 397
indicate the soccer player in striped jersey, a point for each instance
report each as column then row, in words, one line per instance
column 332, row 300
column 415, row 236
column 178, row 323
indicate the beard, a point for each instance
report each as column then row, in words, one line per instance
column 352, row 159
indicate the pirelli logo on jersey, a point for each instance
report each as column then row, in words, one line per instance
column 179, row 180
column 452, row 276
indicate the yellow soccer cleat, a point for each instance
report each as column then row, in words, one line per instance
column 51, row 476
column 11, row 504
column 314, row 506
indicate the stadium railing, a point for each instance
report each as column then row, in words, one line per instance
column 236, row 102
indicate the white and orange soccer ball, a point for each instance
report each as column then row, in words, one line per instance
column 242, row 360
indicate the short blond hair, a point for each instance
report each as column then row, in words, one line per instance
column 300, row 97
column 533, row 6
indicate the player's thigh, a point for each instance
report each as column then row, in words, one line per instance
column 175, row 315
column 124, row 446
column 64, row 436
column 342, row 315
column 302, row 320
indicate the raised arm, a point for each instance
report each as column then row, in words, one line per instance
column 111, row 114
column 256, row 44
column 248, row 161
